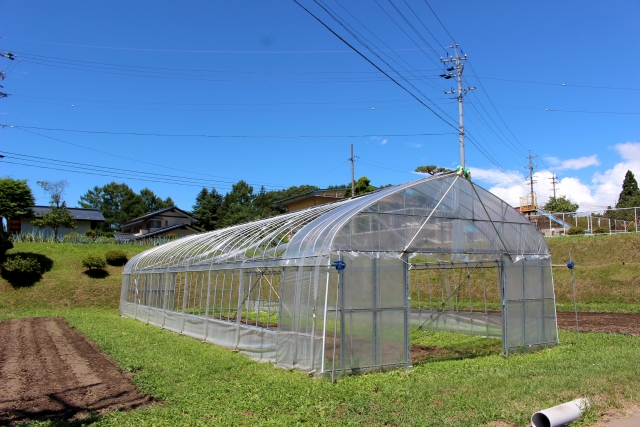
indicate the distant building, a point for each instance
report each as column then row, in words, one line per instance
column 312, row 198
column 86, row 219
column 171, row 221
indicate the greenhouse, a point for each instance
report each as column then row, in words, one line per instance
column 337, row 288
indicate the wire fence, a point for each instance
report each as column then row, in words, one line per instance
column 609, row 221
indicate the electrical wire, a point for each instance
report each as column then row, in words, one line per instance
column 25, row 157
column 122, row 157
column 177, row 135
column 373, row 64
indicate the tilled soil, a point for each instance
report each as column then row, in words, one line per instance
column 621, row 323
column 51, row 371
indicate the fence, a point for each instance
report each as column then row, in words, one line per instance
column 610, row 221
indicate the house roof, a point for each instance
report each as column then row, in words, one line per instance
column 76, row 213
column 308, row 194
column 130, row 236
column 158, row 212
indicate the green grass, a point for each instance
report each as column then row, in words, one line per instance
column 201, row 384
column 65, row 285
column 602, row 281
column 464, row 382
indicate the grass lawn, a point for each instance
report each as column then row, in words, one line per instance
column 464, row 383
column 201, row 384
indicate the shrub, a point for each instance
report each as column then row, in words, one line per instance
column 22, row 265
column 90, row 233
column 92, row 261
column 631, row 227
column 116, row 257
column 600, row 230
column 574, row 231
column 71, row 237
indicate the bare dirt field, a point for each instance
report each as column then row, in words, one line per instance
column 621, row 323
column 51, row 371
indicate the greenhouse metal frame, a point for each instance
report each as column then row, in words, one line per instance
column 331, row 289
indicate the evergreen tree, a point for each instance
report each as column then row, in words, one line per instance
column 237, row 206
column 207, row 209
column 630, row 194
column 362, row 186
column 152, row 202
column 560, row 204
column 15, row 199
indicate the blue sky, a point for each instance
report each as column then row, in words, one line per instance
column 259, row 69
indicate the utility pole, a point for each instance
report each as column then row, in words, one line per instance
column 353, row 182
column 458, row 66
column 531, row 181
column 554, row 181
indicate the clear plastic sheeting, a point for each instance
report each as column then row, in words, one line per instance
column 438, row 253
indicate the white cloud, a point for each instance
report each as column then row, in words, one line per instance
column 384, row 141
column 602, row 191
column 574, row 164
column 414, row 145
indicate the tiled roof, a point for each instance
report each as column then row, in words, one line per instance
column 76, row 213
column 158, row 212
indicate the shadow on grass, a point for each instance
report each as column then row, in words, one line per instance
column 97, row 273
column 426, row 354
column 20, row 280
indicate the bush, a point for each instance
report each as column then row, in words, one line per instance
column 600, row 230
column 92, row 261
column 116, row 257
column 91, row 233
column 71, row 237
column 631, row 227
column 22, row 265
column 574, row 231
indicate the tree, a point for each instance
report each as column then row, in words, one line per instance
column 560, row 204
column 119, row 204
column 15, row 199
column 630, row 194
column 432, row 169
column 237, row 206
column 207, row 209
column 152, row 202
column 55, row 190
column 362, row 186
column 58, row 217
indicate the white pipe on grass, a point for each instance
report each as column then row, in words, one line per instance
column 559, row 415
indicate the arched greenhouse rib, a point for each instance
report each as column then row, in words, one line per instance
column 439, row 253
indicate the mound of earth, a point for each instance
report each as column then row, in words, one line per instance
column 51, row 371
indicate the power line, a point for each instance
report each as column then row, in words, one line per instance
column 176, row 135
column 372, row 63
column 191, row 51
column 25, row 157
column 557, row 84
column 120, row 156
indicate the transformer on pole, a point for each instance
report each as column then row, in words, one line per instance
column 458, row 67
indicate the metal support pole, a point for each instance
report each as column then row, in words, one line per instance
column 575, row 304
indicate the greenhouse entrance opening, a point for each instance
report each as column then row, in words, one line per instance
column 455, row 297
column 336, row 288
